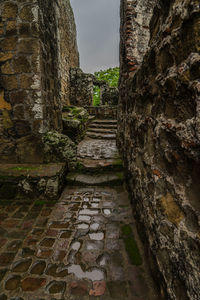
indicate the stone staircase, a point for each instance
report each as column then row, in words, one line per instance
column 98, row 158
column 102, row 129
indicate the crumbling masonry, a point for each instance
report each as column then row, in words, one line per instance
column 159, row 134
column 37, row 48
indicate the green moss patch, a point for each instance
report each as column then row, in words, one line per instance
column 43, row 202
column 131, row 245
column 25, row 168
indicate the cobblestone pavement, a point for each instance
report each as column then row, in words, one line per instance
column 82, row 247
column 73, row 249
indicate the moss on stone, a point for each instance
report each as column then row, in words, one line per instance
column 59, row 147
column 120, row 175
column 25, row 168
column 43, row 202
column 118, row 162
column 131, row 245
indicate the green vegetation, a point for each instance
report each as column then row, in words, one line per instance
column 43, row 202
column 111, row 76
column 25, row 168
column 131, row 245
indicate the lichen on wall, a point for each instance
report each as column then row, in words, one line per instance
column 158, row 135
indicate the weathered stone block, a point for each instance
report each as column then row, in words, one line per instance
column 5, row 56
column 24, row 29
column 29, row 46
column 11, row 28
column 21, row 64
column 8, row 43
column 10, row 10
column 18, row 97
column 27, row 13
column 7, row 68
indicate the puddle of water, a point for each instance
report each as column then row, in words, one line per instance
column 94, row 226
column 75, row 246
column 107, row 212
column 88, row 212
column 86, row 199
column 83, row 226
column 84, row 218
column 94, row 245
column 94, row 275
column 96, row 236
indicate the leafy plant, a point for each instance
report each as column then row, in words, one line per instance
column 111, row 76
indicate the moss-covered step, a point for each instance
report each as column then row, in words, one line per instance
column 105, row 179
column 30, row 181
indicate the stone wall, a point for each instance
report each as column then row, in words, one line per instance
column 34, row 73
column 69, row 55
column 81, row 87
column 102, row 112
column 159, row 138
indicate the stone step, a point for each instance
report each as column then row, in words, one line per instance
column 108, row 126
column 29, row 181
column 94, row 135
column 105, row 179
column 88, row 165
column 104, row 121
column 102, row 130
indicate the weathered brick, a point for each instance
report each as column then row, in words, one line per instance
column 21, row 64
column 10, row 82
column 26, row 13
column 5, row 56
column 7, row 68
column 8, row 43
column 10, row 10
column 11, row 28
column 29, row 46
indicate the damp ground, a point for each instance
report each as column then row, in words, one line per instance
column 84, row 246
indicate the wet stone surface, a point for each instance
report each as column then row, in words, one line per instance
column 56, row 256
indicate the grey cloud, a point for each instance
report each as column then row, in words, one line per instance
column 98, row 33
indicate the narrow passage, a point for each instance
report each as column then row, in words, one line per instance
column 83, row 246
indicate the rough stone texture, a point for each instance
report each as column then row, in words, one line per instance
column 75, row 120
column 38, row 47
column 102, row 112
column 81, row 88
column 31, row 181
column 89, row 264
column 109, row 95
column 159, row 137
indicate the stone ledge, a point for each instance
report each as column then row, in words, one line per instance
column 31, row 181
column 106, row 179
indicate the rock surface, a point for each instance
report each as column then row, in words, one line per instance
column 159, row 135
column 36, row 38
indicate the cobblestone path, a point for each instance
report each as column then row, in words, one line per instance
column 81, row 247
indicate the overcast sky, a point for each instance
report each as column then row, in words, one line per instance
column 97, row 23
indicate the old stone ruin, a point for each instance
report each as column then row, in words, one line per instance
column 99, row 202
